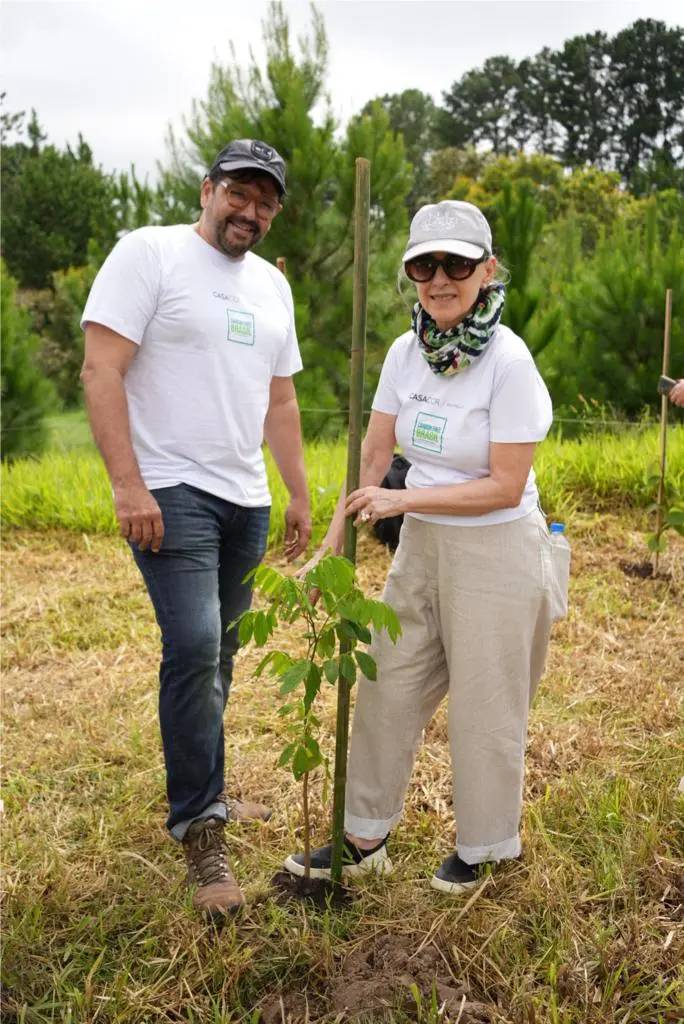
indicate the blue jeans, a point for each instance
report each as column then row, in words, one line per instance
column 196, row 585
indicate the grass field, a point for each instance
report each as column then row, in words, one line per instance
column 68, row 489
column 588, row 929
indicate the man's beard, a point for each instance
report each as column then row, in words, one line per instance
column 235, row 249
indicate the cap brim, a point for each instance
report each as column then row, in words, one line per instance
column 452, row 245
column 245, row 165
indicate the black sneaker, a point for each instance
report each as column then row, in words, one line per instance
column 354, row 860
column 454, row 875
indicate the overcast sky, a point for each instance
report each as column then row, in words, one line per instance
column 121, row 72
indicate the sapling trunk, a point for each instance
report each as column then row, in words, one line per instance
column 307, row 829
column 361, row 218
column 663, row 432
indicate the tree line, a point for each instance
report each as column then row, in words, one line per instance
column 559, row 224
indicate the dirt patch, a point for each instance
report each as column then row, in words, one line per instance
column 386, row 974
column 643, row 571
column 320, row 892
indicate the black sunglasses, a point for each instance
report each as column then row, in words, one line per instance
column 456, row 268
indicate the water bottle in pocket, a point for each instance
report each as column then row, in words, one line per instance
column 560, row 571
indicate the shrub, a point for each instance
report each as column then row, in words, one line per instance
column 26, row 394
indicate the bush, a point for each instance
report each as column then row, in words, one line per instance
column 62, row 348
column 614, row 313
column 26, row 394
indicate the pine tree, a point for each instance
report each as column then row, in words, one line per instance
column 314, row 230
column 27, row 396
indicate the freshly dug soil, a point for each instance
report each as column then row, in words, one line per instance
column 644, row 570
column 320, row 892
column 375, row 980
column 378, row 976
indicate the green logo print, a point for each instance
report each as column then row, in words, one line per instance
column 428, row 432
column 240, row 327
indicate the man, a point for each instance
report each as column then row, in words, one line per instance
column 190, row 352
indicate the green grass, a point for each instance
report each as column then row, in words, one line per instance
column 68, row 431
column 98, row 928
column 69, row 490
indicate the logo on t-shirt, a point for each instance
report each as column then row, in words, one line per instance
column 240, row 327
column 428, row 432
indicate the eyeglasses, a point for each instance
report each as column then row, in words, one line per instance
column 240, row 199
column 456, row 268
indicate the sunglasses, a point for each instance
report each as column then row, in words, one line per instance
column 456, row 268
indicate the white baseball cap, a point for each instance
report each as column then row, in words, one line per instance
column 449, row 226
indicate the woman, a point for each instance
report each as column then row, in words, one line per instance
column 470, row 581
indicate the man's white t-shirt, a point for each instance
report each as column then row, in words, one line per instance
column 212, row 332
column 446, row 424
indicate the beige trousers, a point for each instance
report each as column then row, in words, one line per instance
column 474, row 604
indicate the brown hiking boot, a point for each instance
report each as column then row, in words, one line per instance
column 206, row 854
column 244, row 810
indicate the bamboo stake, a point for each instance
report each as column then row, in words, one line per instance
column 361, row 218
column 664, row 402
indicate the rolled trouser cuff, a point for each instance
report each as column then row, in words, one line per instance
column 370, row 828
column 215, row 810
column 507, row 849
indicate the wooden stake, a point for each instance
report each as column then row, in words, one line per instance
column 361, row 219
column 664, row 402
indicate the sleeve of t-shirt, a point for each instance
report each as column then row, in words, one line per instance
column 125, row 292
column 289, row 359
column 520, row 409
column 386, row 398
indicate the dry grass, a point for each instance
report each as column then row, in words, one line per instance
column 589, row 929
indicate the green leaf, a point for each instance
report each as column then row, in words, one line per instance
column 327, row 642
column 361, row 632
column 331, row 669
column 287, row 754
column 347, row 668
column 392, row 623
column 245, row 628
column 291, row 679
column 313, row 684
column 269, row 581
column 261, row 628
column 366, row 664
column 345, row 631
column 656, row 543
column 303, row 761
column 675, row 517
column 280, row 662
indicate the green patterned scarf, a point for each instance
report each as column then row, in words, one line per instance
column 452, row 351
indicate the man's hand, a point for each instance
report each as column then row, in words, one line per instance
column 297, row 527
column 369, row 504
column 139, row 515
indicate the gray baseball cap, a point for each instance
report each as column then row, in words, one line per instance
column 449, row 226
column 241, row 154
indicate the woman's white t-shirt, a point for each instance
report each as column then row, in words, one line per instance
column 446, row 424
column 212, row 333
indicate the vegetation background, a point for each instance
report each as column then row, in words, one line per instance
column 575, row 155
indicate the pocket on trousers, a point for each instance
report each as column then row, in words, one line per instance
column 560, row 575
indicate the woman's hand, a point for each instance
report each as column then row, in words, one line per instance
column 369, row 504
column 677, row 393
column 314, row 593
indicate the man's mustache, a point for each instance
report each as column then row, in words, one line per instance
column 244, row 222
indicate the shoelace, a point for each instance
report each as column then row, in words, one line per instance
column 208, row 855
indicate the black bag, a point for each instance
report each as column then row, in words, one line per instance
column 387, row 530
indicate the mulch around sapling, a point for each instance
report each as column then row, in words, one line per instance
column 320, row 892
column 643, row 570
